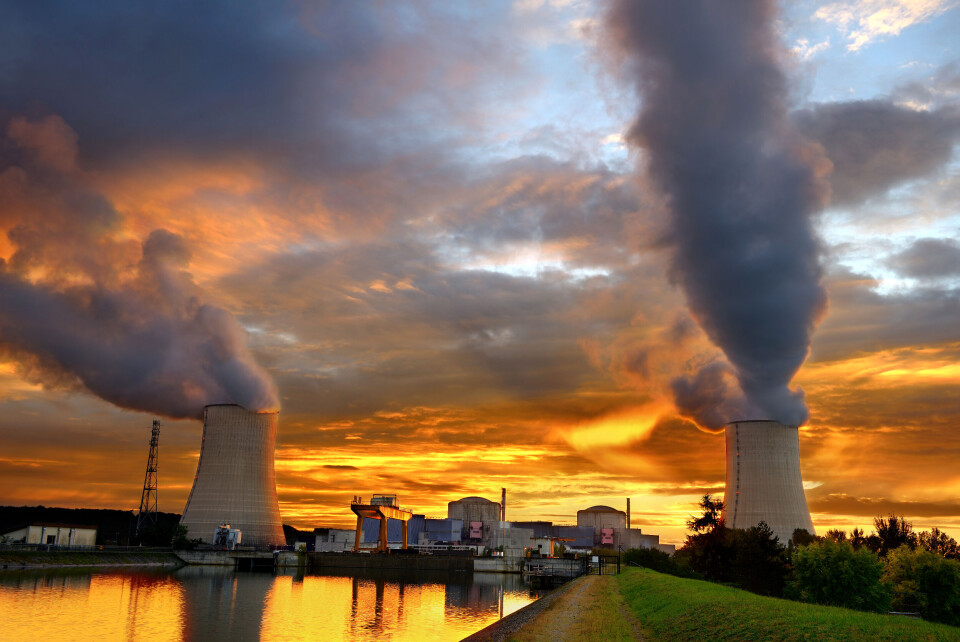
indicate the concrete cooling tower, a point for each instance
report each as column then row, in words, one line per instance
column 235, row 482
column 763, row 478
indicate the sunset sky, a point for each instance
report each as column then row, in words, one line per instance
column 450, row 240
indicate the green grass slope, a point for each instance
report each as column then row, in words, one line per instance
column 671, row 608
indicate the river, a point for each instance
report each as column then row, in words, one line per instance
column 211, row 603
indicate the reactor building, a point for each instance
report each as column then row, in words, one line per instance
column 235, row 482
column 763, row 482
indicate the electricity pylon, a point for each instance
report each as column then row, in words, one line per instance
column 148, row 501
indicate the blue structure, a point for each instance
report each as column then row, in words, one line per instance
column 371, row 530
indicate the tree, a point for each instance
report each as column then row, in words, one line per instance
column 802, row 537
column 924, row 582
column 837, row 574
column 857, row 540
column 836, row 535
column 180, row 541
column 759, row 562
column 709, row 554
column 939, row 542
column 711, row 517
column 892, row 533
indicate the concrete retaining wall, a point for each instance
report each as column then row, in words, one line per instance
column 399, row 562
column 54, row 559
column 498, row 565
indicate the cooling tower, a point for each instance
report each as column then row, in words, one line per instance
column 763, row 478
column 235, row 481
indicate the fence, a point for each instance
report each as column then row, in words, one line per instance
column 99, row 548
column 605, row 565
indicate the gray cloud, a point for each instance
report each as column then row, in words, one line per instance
column 863, row 320
column 874, row 144
column 940, row 90
column 928, row 258
column 325, row 86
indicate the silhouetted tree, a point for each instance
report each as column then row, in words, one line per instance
column 857, row 539
column 836, row 535
column 892, row 533
column 759, row 562
column 179, row 540
column 711, row 517
column 939, row 542
column 801, row 537
column 710, row 553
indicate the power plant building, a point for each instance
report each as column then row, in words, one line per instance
column 610, row 530
column 235, row 482
column 763, row 481
column 480, row 517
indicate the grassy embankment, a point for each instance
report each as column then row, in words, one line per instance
column 13, row 560
column 662, row 607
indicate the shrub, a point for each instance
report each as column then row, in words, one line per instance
column 656, row 560
column 834, row 573
column 924, row 582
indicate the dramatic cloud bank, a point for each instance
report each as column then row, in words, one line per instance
column 76, row 308
column 741, row 186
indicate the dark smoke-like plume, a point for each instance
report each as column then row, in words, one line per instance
column 742, row 186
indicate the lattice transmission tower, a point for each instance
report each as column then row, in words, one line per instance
column 148, row 501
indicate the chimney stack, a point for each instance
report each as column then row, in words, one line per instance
column 503, row 504
column 628, row 512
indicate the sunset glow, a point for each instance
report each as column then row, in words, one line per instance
column 440, row 237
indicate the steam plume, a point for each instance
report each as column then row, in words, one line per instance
column 742, row 186
column 82, row 307
column 149, row 346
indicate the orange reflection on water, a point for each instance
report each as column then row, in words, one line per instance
column 215, row 603
column 88, row 607
column 326, row 607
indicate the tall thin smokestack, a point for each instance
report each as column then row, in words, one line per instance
column 503, row 504
column 628, row 512
column 235, row 482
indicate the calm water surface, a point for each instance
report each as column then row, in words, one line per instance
column 208, row 603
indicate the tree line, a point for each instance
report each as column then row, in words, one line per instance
column 892, row 569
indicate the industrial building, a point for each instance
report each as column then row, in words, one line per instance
column 611, row 528
column 235, row 482
column 334, row 540
column 479, row 516
column 475, row 522
column 763, row 481
column 53, row 534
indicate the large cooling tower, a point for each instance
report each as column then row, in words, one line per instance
column 235, row 481
column 763, row 478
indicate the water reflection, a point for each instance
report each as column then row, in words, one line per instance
column 209, row 603
column 222, row 604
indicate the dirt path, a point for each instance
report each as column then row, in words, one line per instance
column 589, row 608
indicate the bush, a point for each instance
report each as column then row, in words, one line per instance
column 656, row 560
column 924, row 582
column 836, row 574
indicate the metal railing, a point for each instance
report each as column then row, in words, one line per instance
column 98, row 548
